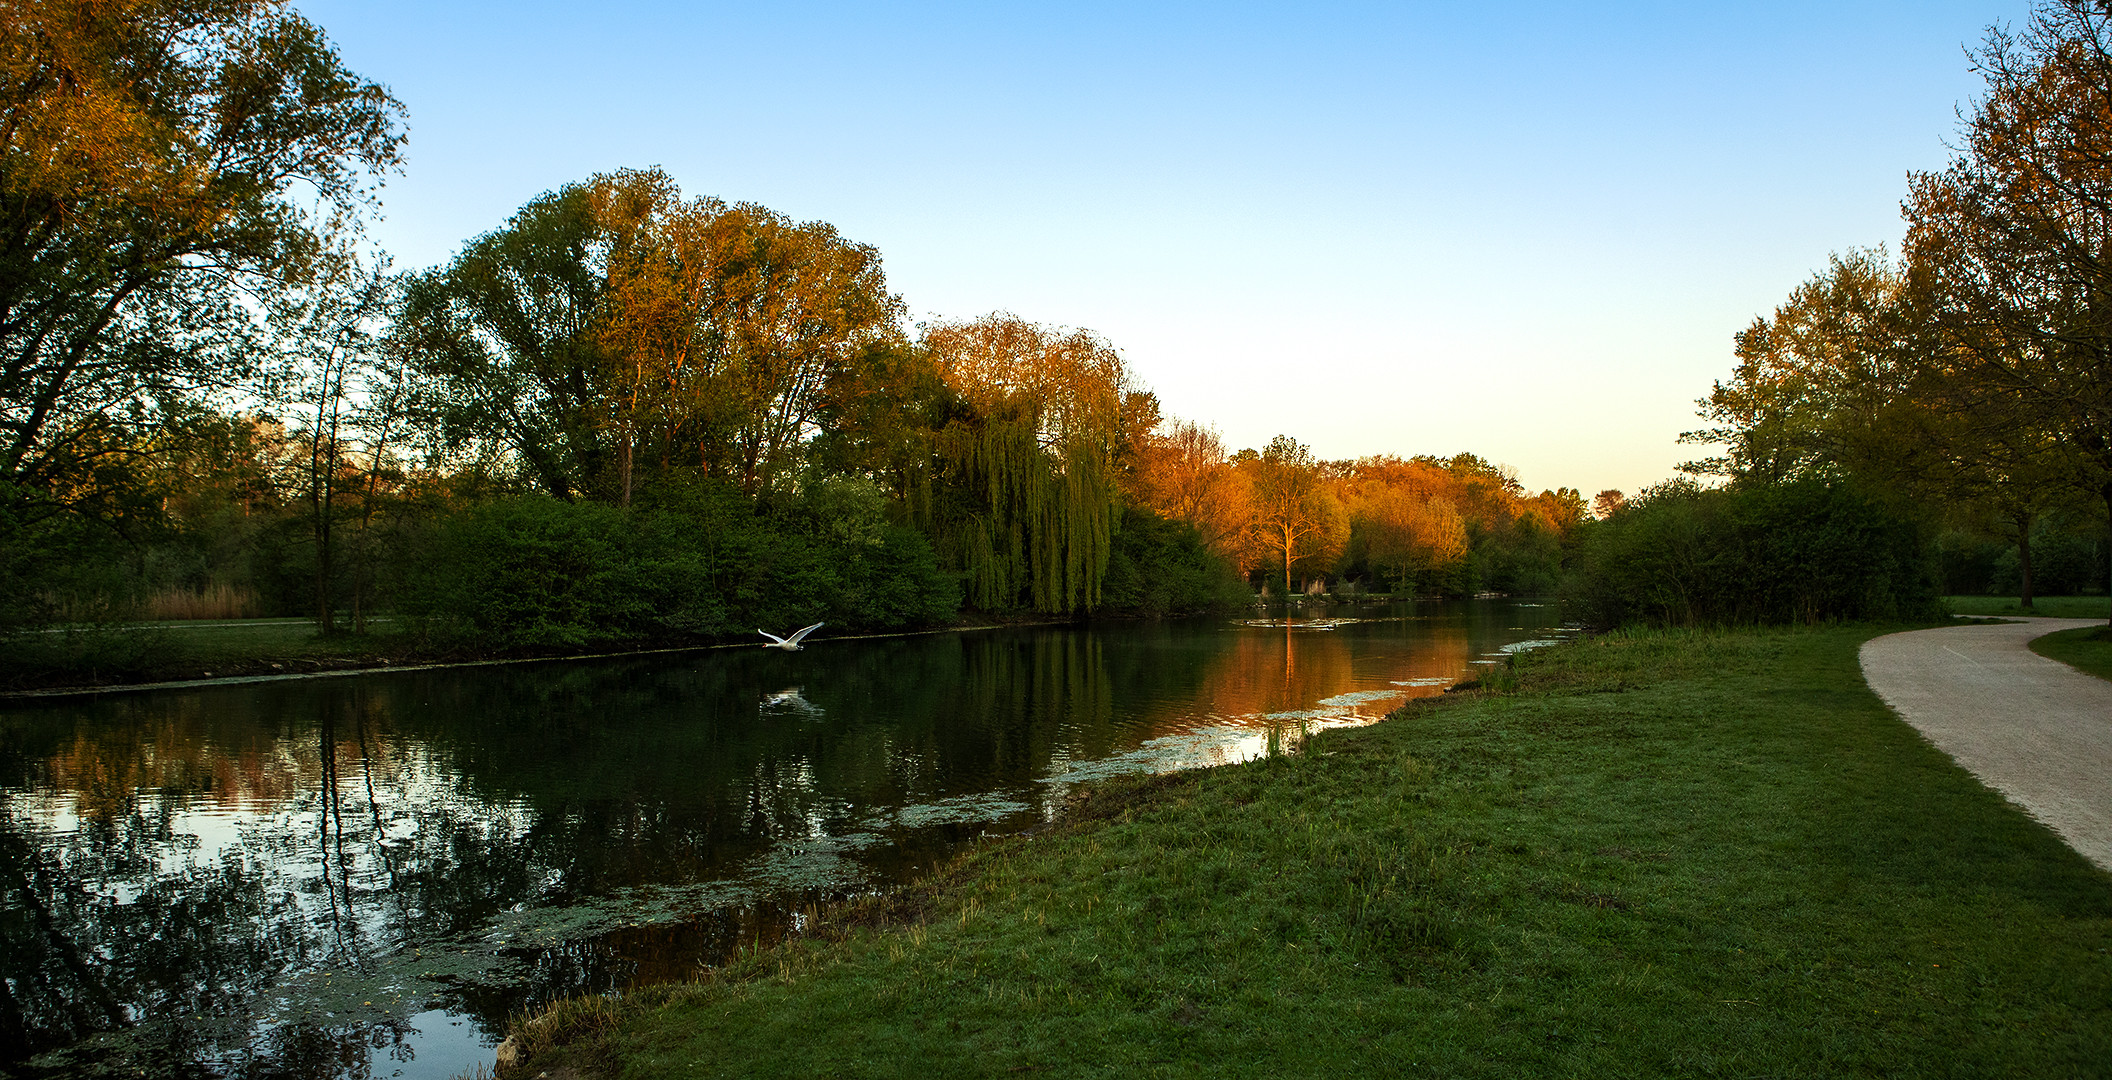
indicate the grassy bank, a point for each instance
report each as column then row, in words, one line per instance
column 121, row 654
column 2054, row 607
column 155, row 652
column 2088, row 648
column 1709, row 854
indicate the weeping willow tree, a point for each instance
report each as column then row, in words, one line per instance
column 1024, row 495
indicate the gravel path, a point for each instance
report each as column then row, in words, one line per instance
column 2034, row 729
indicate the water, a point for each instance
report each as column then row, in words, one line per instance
column 367, row 876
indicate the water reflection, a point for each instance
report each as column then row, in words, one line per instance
column 366, row 876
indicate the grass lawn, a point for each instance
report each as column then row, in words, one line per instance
column 149, row 652
column 2087, row 647
column 1710, row 854
column 2058, row 607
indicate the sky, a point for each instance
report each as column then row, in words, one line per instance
column 1525, row 231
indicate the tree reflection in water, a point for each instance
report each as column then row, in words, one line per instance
column 275, row 879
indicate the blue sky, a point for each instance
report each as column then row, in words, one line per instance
column 1522, row 230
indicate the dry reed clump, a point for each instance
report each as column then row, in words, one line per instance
column 215, row 601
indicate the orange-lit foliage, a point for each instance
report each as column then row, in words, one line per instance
column 1455, row 525
column 726, row 326
column 1072, row 381
column 1424, row 524
column 1296, row 523
column 1405, row 531
column 1182, row 472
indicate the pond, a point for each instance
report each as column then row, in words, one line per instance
column 368, row 875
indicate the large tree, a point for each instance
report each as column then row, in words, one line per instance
column 162, row 162
column 1295, row 518
column 506, row 338
column 731, row 326
column 1027, row 484
column 2016, row 235
column 1813, row 378
column 614, row 325
column 1185, row 474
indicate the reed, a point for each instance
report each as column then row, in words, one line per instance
column 218, row 600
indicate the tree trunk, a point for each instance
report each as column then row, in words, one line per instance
column 2024, row 558
column 1287, row 541
column 322, row 464
column 2106, row 491
column 324, row 617
column 629, row 442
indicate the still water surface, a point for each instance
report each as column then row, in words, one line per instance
column 366, row 876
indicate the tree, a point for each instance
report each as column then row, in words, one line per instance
column 1295, row 517
column 161, row 162
column 613, row 322
column 2013, row 233
column 1406, row 532
column 1812, row 379
column 506, row 339
column 1183, row 473
column 731, row 325
column 332, row 340
column 1026, row 489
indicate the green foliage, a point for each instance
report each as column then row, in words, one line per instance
column 1965, row 562
column 2065, row 560
column 534, row 572
column 1522, row 558
column 504, row 338
column 1029, row 528
column 28, row 552
column 1806, row 551
column 694, row 560
column 1162, row 567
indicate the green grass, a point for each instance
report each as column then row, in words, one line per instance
column 2059, row 607
column 150, row 652
column 2088, row 648
column 1709, row 854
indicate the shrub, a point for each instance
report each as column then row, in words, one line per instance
column 1966, row 564
column 532, row 572
column 694, row 561
column 1157, row 566
column 2065, row 560
column 1803, row 551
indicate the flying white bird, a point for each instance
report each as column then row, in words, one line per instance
column 789, row 644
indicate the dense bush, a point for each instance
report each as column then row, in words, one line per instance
column 689, row 563
column 1524, row 559
column 2067, row 558
column 1803, row 551
column 1966, row 562
column 1158, row 566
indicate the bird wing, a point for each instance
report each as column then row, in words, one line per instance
column 795, row 639
column 774, row 639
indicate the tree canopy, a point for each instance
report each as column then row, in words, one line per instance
column 162, row 162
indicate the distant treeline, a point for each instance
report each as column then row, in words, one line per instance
column 628, row 414
column 624, row 414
